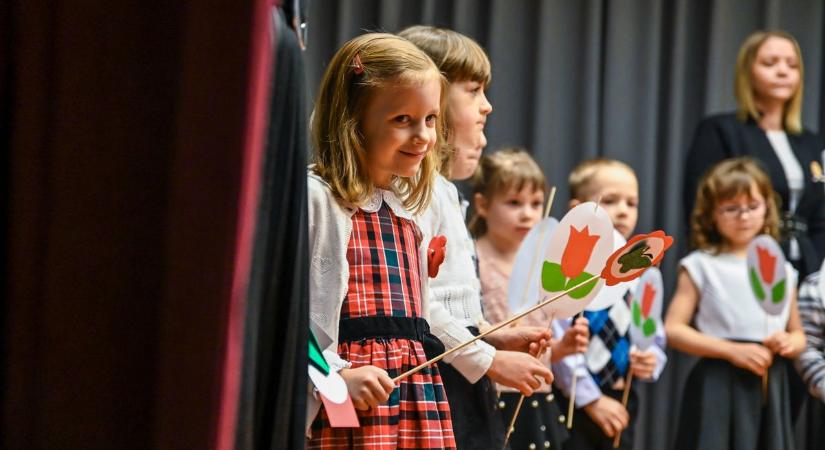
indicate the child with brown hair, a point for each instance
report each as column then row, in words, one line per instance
column 455, row 311
column 601, row 376
column 376, row 135
column 509, row 190
column 712, row 316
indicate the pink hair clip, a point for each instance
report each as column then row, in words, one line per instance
column 358, row 67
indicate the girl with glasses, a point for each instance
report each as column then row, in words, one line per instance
column 713, row 316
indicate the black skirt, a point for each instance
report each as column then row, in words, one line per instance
column 539, row 425
column 723, row 408
column 814, row 432
column 587, row 435
column 477, row 422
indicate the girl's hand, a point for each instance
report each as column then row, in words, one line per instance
column 608, row 414
column 753, row 357
column 780, row 343
column 642, row 364
column 369, row 386
column 520, row 339
column 519, row 371
column 575, row 340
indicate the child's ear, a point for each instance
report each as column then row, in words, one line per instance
column 574, row 202
column 480, row 204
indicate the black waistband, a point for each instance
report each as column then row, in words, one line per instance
column 413, row 328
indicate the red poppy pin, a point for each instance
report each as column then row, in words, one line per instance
column 435, row 254
column 640, row 252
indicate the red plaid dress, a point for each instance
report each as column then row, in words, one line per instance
column 384, row 280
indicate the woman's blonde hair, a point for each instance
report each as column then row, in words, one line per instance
column 498, row 173
column 362, row 66
column 743, row 84
column 724, row 181
column 459, row 57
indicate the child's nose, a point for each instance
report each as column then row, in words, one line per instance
column 421, row 133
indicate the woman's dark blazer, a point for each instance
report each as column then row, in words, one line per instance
column 724, row 136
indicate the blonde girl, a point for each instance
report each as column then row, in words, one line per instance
column 376, row 131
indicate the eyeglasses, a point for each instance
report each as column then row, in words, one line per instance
column 734, row 211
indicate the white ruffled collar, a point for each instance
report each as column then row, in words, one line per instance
column 373, row 204
column 379, row 196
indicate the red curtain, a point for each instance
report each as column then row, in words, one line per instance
column 132, row 131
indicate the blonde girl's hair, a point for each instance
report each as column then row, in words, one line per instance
column 724, row 181
column 743, row 82
column 582, row 176
column 459, row 57
column 498, row 173
column 361, row 67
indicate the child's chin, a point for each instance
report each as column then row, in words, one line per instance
column 410, row 172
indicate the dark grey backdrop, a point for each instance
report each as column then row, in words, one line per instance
column 575, row 79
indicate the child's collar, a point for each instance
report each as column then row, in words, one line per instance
column 380, row 196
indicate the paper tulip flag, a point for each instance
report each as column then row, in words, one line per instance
column 767, row 274
column 331, row 387
column 608, row 294
column 574, row 265
column 646, row 309
column 640, row 252
column 524, row 287
column 577, row 251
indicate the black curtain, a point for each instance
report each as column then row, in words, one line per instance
column 272, row 409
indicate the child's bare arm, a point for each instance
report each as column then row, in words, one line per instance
column 681, row 336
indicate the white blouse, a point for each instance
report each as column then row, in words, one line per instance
column 790, row 165
column 727, row 308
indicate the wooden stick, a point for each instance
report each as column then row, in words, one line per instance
column 512, row 427
column 765, row 375
column 572, row 402
column 625, row 395
column 549, row 202
column 495, row 328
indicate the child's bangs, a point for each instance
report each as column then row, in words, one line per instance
column 518, row 176
column 474, row 66
column 734, row 184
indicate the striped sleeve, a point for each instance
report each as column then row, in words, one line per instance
column 811, row 363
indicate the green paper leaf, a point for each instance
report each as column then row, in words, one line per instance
column 650, row 327
column 778, row 292
column 581, row 292
column 637, row 314
column 316, row 356
column 756, row 285
column 552, row 280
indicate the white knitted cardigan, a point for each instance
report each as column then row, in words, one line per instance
column 330, row 227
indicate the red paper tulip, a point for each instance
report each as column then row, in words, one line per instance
column 436, row 251
column 577, row 253
column 647, row 299
column 767, row 263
